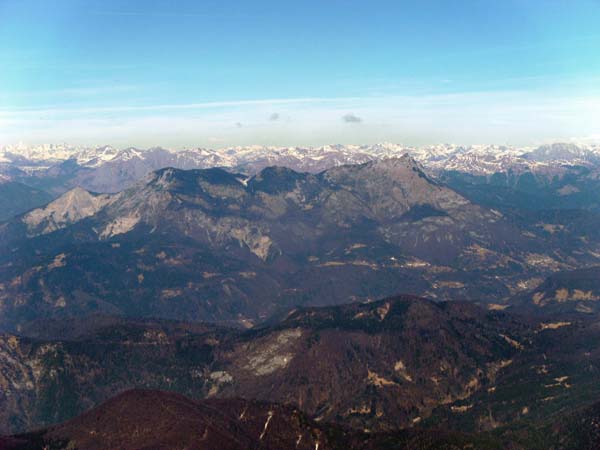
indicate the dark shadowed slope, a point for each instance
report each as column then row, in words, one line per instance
column 380, row 365
column 158, row 420
column 151, row 419
column 143, row 419
column 17, row 198
column 401, row 363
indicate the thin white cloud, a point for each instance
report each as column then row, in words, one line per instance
column 499, row 117
column 154, row 14
column 167, row 107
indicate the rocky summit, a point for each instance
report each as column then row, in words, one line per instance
column 212, row 245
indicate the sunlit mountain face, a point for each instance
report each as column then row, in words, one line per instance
column 216, row 245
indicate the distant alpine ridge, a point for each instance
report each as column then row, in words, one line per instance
column 57, row 168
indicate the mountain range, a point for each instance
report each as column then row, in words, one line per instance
column 58, row 168
column 355, row 363
column 241, row 289
column 213, row 245
column 389, row 373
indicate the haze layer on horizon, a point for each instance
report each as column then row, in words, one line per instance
column 215, row 74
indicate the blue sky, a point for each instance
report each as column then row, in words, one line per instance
column 190, row 73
